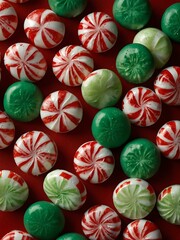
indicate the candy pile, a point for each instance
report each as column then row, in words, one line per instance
column 116, row 102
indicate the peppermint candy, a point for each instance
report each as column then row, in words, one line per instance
column 44, row 28
column 65, row 189
column 7, row 130
column 35, row 153
column 101, row 222
column 142, row 229
column 14, row 191
column 167, row 85
column 134, row 198
column 142, row 106
column 8, row 20
column 93, row 162
column 97, row 32
column 72, row 64
column 168, row 139
column 25, row 62
column 17, row 235
column 61, row 111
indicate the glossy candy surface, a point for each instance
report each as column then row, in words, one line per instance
column 17, row 235
column 44, row 28
column 93, row 162
column 97, row 32
column 35, row 153
column 101, row 222
column 72, row 64
column 71, row 236
column 142, row 106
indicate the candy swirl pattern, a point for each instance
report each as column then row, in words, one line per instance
column 35, row 153
column 25, row 62
column 44, row 28
column 167, row 85
column 168, row 139
column 17, row 235
column 65, row 189
column 14, row 191
column 142, row 106
column 93, row 162
column 61, row 111
column 97, row 32
column 8, row 20
column 142, row 229
column 72, row 64
column 101, row 222
column 7, row 130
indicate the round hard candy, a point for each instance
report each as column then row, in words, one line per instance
column 134, row 198
column 44, row 28
column 17, row 235
column 142, row 106
column 8, row 20
column 135, row 63
column 68, row 8
column 157, row 42
column 168, row 204
column 111, row 127
column 101, row 222
column 61, row 111
column 65, row 189
column 93, row 162
column 168, row 139
column 142, row 229
column 18, row 1
column 72, row 64
column 25, row 62
column 97, row 32
column 102, row 88
column 22, row 101
column 71, row 236
column 14, row 191
column 170, row 22
column 44, row 220
column 132, row 14
column 7, row 130
column 167, row 85
column 140, row 158
column 35, row 153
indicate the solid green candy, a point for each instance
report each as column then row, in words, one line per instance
column 71, row 236
column 22, row 101
column 44, row 220
column 111, row 127
column 135, row 63
column 170, row 22
column 158, row 44
column 102, row 88
column 140, row 158
column 68, row 8
column 132, row 14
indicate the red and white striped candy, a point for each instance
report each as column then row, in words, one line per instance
column 72, row 64
column 168, row 139
column 142, row 229
column 167, row 85
column 25, row 62
column 8, row 20
column 17, row 235
column 35, row 153
column 97, row 32
column 101, row 222
column 61, row 111
column 7, row 130
column 93, row 162
column 18, row 1
column 44, row 28
column 142, row 106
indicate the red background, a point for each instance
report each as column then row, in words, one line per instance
column 68, row 143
